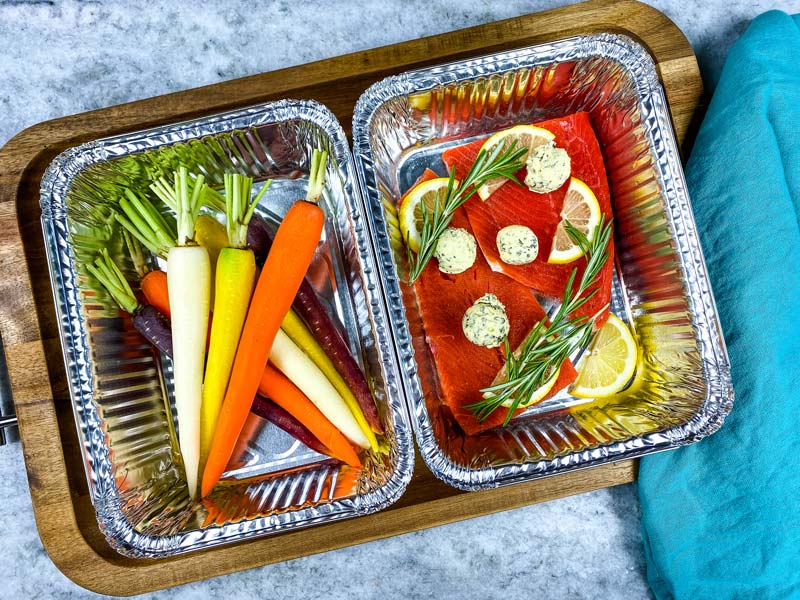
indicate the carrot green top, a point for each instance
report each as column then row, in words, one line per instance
column 238, row 208
column 316, row 176
column 143, row 221
column 185, row 204
column 106, row 272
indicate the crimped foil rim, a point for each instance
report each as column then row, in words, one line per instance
column 635, row 59
column 105, row 496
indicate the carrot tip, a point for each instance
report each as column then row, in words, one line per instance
column 206, row 488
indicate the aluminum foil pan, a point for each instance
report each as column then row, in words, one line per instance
column 404, row 123
column 122, row 392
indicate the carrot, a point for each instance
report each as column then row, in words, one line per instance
column 208, row 232
column 147, row 320
column 294, row 247
column 154, row 288
column 235, row 276
column 267, row 409
column 156, row 291
column 290, row 360
column 188, row 290
column 310, row 310
column 212, row 234
column 135, row 252
column 288, row 396
column 294, row 327
column 153, row 283
column 188, row 283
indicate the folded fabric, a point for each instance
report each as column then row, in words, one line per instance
column 721, row 518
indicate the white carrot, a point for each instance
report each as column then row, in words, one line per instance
column 188, row 286
column 189, row 283
column 301, row 370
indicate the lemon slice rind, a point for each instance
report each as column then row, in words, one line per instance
column 409, row 228
column 537, row 135
column 609, row 363
column 564, row 249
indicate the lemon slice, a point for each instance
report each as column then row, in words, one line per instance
column 432, row 192
column 526, row 136
column 582, row 210
column 539, row 394
column 609, row 363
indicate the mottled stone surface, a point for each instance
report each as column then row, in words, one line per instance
column 59, row 58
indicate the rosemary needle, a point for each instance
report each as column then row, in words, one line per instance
column 547, row 346
column 501, row 161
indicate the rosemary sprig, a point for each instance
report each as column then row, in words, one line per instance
column 549, row 345
column 500, row 161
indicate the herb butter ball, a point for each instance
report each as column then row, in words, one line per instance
column 456, row 250
column 485, row 322
column 517, row 245
column 548, row 168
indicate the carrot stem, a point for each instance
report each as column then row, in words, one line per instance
column 146, row 224
column 135, row 252
column 316, row 177
column 106, row 272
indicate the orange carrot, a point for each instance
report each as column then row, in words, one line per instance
column 154, row 288
column 288, row 396
column 286, row 265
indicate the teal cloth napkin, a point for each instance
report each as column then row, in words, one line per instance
column 721, row 518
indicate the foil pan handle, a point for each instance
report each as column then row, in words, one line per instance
column 8, row 420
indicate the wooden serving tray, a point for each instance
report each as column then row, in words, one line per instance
column 64, row 514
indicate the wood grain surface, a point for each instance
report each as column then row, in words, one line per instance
column 64, row 514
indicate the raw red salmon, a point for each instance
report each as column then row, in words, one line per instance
column 463, row 367
column 512, row 204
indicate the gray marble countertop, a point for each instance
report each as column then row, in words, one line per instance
column 63, row 57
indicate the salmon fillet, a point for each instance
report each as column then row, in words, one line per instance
column 512, row 204
column 463, row 367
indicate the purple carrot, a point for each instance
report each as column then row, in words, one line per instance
column 259, row 238
column 154, row 327
column 267, row 409
column 309, row 308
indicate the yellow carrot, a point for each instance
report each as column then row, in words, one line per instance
column 294, row 246
column 236, row 272
column 235, row 278
column 297, row 331
column 211, row 233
